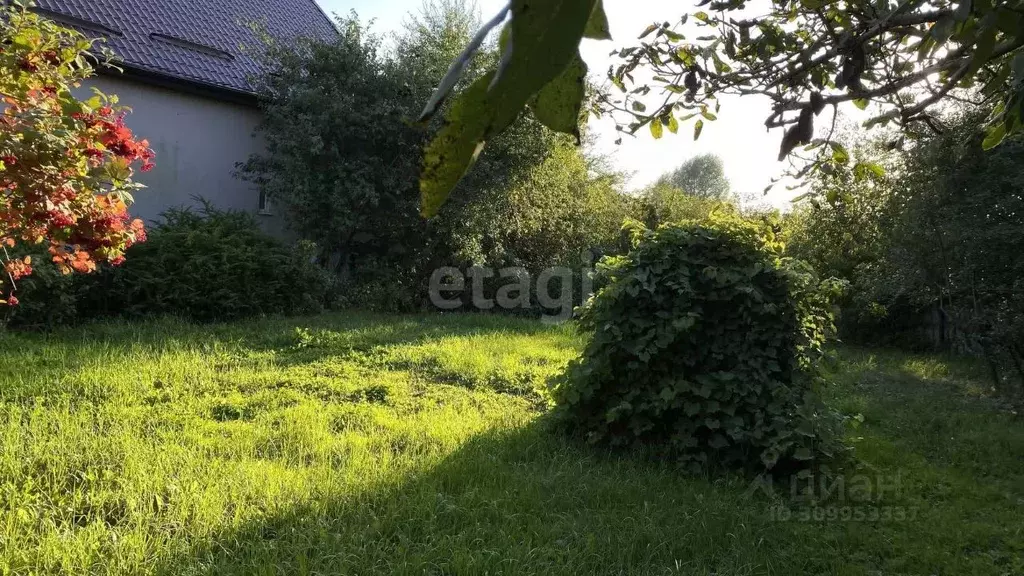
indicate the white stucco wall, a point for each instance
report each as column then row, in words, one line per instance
column 197, row 141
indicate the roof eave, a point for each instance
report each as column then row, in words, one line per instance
column 179, row 84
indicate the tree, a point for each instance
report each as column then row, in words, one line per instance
column 432, row 38
column 954, row 244
column 339, row 157
column 702, row 176
column 663, row 203
column 66, row 164
column 935, row 237
column 907, row 56
column 843, row 228
column 850, row 51
column 342, row 161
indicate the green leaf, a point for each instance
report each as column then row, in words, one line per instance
column 698, row 127
column 865, row 167
column 963, row 11
column 656, row 129
column 997, row 83
column 718, row 442
column 597, row 27
column 994, row 136
column 558, row 104
column 673, row 124
column 709, row 115
column 543, row 39
column 861, row 103
column 839, row 153
column 647, row 31
column 456, row 146
column 117, row 169
column 639, row 106
column 720, row 66
column 685, row 55
column 982, row 50
column 925, row 47
column 674, row 36
column 1018, row 67
column 942, row 29
column 802, row 453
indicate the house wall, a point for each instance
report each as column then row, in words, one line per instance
column 197, row 140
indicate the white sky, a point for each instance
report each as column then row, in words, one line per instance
column 738, row 136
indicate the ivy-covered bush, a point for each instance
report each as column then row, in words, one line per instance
column 206, row 266
column 705, row 344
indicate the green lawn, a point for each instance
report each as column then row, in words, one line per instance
column 359, row 444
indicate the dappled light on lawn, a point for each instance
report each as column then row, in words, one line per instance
column 370, row 444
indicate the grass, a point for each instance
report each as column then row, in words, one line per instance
column 361, row 444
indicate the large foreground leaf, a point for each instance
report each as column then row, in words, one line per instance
column 597, row 26
column 542, row 40
column 456, row 146
column 558, row 104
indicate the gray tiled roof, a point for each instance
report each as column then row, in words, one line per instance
column 204, row 41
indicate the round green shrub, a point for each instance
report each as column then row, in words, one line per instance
column 210, row 265
column 48, row 298
column 207, row 265
column 705, row 344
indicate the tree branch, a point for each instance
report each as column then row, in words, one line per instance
column 892, row 20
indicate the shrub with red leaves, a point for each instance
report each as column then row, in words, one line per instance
column 66, row 164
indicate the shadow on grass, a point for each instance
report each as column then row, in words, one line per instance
column 526, row 501
column 516, row 502
column 936, row 407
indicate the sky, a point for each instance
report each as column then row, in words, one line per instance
column 739, row 137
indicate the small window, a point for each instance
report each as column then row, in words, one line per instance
column 266, row 208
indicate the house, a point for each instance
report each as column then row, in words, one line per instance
column 186, row 70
